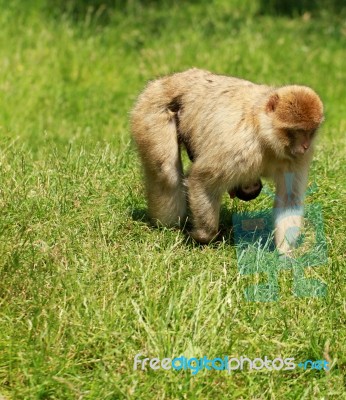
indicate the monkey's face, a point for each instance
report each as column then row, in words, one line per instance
column 296, row 113
column 299, row 141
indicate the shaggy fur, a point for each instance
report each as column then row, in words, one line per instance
column 235, row 132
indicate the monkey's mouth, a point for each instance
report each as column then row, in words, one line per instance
column 298, row 153
column 292, row 154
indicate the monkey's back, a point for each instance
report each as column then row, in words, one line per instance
column 212, row 114
column 214, row 117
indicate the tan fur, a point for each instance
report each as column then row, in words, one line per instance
column 235, row 131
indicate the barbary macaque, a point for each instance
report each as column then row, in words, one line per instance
column 235, row 132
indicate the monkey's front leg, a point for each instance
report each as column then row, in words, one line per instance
column 288, row 209
column 204, row 203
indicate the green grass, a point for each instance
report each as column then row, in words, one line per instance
column 85, row 282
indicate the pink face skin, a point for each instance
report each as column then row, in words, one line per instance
column 300, row 141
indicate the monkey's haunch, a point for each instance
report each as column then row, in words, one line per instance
column 246, row 193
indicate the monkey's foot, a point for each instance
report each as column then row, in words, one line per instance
column 202, row 236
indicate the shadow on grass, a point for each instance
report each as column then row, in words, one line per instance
column 299, row 7
column 225, row 235
column 102, row 10
column 80, row 8
column 140, row 214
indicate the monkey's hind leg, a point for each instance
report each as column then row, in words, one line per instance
column 165, row 190
column 157, row 141
column 204, row 202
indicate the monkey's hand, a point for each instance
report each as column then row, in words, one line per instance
column 246, row 193
column 288, row 224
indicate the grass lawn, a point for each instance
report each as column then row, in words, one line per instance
column 85, row 282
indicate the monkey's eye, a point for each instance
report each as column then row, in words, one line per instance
column 291, row 132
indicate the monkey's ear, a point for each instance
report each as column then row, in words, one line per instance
column 272, row 103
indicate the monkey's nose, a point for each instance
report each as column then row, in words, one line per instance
column 305, row 147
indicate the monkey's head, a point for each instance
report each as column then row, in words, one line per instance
column 296, row 113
